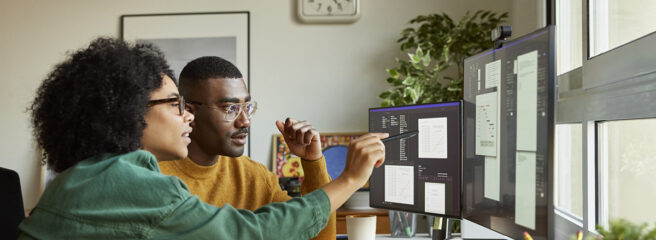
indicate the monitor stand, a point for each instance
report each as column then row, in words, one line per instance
column 472, row 230
column 469, row 231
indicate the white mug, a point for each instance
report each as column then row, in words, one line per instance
column 361, row 227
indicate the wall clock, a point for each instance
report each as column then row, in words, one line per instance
column 328, row 11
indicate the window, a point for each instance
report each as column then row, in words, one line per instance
column 569, row 169
column 616, row 22
column 627, row 164
column 606, row 74
column 568, row 37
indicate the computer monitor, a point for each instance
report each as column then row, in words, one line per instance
column 509, row 101
column 421, row 174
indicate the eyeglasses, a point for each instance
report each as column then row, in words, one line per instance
column 233, row 110
column 180, row 100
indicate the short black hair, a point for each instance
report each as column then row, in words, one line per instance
column 203, row 68
column 95, row 101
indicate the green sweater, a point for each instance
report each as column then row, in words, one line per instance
column 126, row 197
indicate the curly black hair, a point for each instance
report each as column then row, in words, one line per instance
column 203, row 68
column 95, row 101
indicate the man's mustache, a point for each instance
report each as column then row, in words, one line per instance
column 240, row 131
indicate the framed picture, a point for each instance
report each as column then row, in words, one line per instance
column 183, row 37
column 334, row 147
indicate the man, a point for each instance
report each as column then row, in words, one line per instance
column 215, row 169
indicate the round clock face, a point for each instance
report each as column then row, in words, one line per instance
column 329, row 10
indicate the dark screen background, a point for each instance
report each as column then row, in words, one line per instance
column 500, row 216
column 405, row 152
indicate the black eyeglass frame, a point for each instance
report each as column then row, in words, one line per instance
column 179, row 99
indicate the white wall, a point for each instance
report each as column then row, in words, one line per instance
column 326, row 74
column 527, row 16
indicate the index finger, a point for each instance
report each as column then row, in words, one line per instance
column 290, row 122
column 379, row 135
column 370, row 138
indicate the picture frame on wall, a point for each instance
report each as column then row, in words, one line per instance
column 333, row 145
column 183, row 37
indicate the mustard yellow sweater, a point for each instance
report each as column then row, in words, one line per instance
column 246, row 184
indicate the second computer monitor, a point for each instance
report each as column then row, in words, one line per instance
column 421, row 173
column 509, row 97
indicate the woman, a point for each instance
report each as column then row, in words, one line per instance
column 105, row 116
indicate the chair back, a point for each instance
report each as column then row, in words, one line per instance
column 11, row 204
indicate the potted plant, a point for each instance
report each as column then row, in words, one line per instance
column 622, row 229
column 435, row 44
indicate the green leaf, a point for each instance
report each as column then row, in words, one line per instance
column 410, row 55
column 407, row 31
column 397, row 102
column 395, row 93
column 393, row 73
column 414, row 59
column 426, row 59
column 386, row 103
column 409, row 81
column 485, row 14
column 397, row 82
column 454, row 89
column 405, row 45
column 419, row 52
column 385, row 94
column 419, row 91
column 413, row 95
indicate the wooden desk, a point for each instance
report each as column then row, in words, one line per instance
column 382, row 219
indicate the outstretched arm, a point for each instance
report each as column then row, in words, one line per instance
column 298, row 218
column 364, row 153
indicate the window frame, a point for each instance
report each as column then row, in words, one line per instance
column 578, row 220
column 602, row 89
